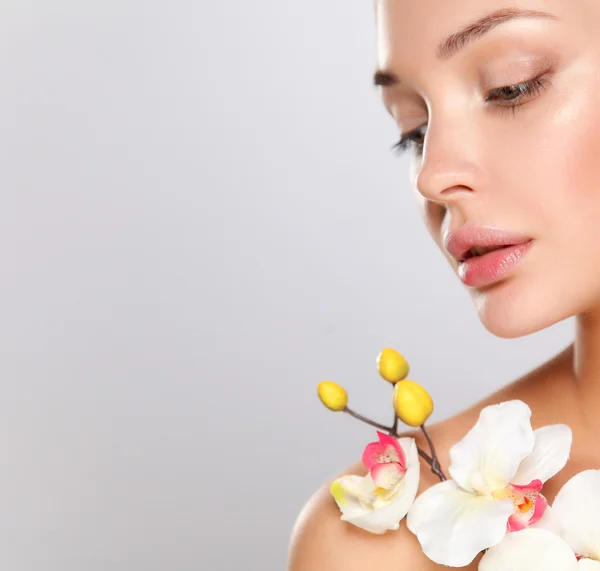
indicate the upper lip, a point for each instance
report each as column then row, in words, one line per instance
column 459, row 242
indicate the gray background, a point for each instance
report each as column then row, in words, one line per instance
column 202, row 219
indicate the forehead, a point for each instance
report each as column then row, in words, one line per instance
column 409, row 31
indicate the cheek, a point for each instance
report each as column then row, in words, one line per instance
column 567, row 189
column 581, row 160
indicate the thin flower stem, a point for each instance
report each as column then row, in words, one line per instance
column 425, row 456
column 421, row 452
column 435, row 465
column 367, row 420
column 395, row 425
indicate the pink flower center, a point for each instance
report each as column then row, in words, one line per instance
column 385, row 461
column 529, row 504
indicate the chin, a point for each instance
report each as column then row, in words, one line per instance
column 510, row 309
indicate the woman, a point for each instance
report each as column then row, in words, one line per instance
column 499, row 107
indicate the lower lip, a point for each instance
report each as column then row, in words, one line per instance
column 481, row 271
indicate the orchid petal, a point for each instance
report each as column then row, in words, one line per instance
column 541, row 505
column 351, row 485
column 588, row 565
column 530, row 505
column 386, row 450
column 577, row 505
column 548, row 522
column 386, row 515
column 387, row 475
column 533, row 486
column 519, row 521
column 345, row 492
column 549, row 455
column 390, row 442
column 453, row 526
column 489, row 455
column 530, row 550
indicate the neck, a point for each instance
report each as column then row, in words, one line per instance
column 586, row 355
column 586, row 364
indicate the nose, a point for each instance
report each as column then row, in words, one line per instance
column 450, row 168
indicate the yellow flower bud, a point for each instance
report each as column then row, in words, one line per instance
column 332, row 395
column 392, row 366
column 412, row 403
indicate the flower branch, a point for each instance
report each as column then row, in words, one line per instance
column 335, row 398
column 492, row 503
column 435, row 464
column 362, row 418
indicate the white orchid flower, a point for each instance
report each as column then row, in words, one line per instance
column 532, row 550
column 576, row 509
column 378, row 501
column 497, row 472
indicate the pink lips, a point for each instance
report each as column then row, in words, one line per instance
column 480, row 271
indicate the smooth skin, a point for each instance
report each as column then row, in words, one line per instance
column 533, row 169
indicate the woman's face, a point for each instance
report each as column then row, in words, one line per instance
column 523, row 159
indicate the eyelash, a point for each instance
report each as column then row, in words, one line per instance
column 526, row 90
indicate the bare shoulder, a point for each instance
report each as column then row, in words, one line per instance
column 322, row 542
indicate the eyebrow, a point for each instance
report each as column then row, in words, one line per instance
column 459, row 40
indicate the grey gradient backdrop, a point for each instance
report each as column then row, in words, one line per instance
column 201, row 219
